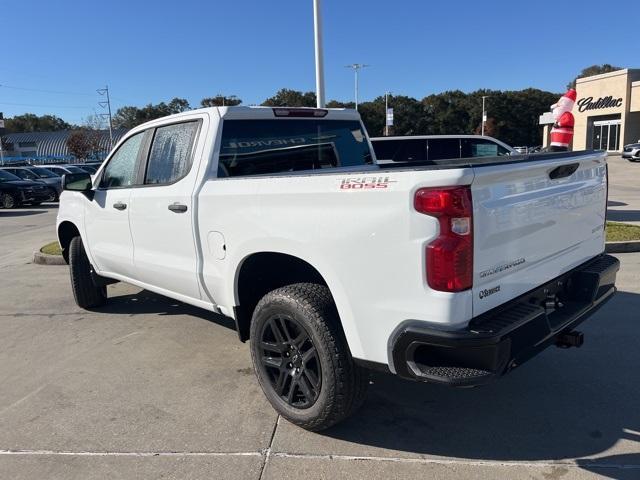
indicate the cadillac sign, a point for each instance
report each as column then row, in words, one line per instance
column 588, row 103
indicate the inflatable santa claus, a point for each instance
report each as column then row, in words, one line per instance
column 562, row 131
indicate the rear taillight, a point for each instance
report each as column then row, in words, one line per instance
column 449, row 258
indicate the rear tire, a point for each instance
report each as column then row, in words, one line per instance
column 85, row 292
column 302, row 359
column 8, row 201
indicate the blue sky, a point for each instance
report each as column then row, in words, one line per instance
column 154, row 51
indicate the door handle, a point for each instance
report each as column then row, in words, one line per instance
column 563, row 171
column 178, row 207
column 120, row 206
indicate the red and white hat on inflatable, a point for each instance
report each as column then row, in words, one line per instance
column 571, row 94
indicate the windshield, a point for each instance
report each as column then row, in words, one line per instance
column 8, row 177
column 72, row 169
column 254, row 147
column 26, row 174
column 43, row 173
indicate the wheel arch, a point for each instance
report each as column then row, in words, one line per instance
column 261, row 272
column 66, row 231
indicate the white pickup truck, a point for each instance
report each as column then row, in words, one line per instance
column 454, row 272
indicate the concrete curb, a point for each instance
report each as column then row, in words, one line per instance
column 40, row 258
column 622, row 247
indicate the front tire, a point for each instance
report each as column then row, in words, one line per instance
column 85, row 292
column 302, row 359
column 8, row 201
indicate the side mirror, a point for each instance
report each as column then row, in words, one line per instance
column 77, row 182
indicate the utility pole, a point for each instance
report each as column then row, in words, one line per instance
column 356, row 67
column 317, row 27
column 484, row 115
column 105, row 91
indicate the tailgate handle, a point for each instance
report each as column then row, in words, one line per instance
column 563, row 171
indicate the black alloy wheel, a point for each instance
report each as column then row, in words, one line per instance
column 290, row 360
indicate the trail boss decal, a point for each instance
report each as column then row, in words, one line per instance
column 488, row 291
column 365, row 183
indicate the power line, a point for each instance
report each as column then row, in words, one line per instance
column 43, row 106
column 58, row 92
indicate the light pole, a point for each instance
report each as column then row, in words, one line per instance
column 356, row 67
column 317, row 27
column 224, row 98
column 484, row 115
column 386, row 113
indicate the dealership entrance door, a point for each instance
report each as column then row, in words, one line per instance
column 606, row 135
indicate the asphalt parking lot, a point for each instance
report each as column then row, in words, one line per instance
column 150, row 388
column 624, row 190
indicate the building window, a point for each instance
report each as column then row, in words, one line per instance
column 605, row 134
column 27, row 144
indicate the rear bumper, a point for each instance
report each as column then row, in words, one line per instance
column 505, row 337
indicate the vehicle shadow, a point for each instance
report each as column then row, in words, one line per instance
column 146, row 302
column 563, row 404
column 623, row 215
column 19, row 213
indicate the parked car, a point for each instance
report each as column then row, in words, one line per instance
column 536, row 149
column 60, row 170
column 433, row 148
column 521, row 150
column 41, row 175
column 89, row 168
column 631, row 152
column 329, row 263
column 16, row 191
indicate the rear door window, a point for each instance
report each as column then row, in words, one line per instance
column 171, row 156
column 443, row 148
column 258, row 147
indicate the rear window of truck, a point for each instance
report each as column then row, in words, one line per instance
column 260, row 147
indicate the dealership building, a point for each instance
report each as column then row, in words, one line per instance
column 607, row 111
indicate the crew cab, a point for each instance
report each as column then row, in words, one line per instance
column 331, row 264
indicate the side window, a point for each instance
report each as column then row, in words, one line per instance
column 121, row 170
column 475, row 147
column 170, row 157
column 386, row 149
column 410, row 150
column 444, row 148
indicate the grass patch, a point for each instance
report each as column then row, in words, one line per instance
column 622, row 232
column 51, row 249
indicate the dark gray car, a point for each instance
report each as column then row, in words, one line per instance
column 40, row 175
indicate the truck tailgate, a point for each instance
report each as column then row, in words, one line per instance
column 534, row 221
